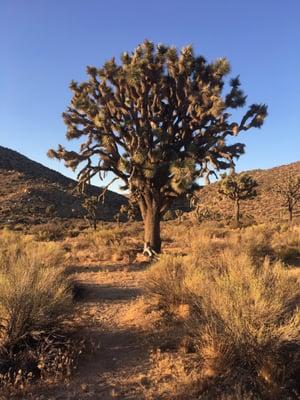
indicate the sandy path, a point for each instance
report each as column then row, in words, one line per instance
column 107, row 315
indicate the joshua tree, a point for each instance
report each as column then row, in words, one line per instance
column 130, row 211
column 179, row 214
column 200, row 211
column 158, row 120
column 237, row 188
column 91, row 207
column 117, row 218
column 168, row 215
column 289, row 191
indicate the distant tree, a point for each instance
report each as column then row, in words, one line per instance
column 289, row 191
column 50, row 210
column 168, row 215
column 117, row 218
column 130, row 211
column 201, row 212
column 238, row 187
column 179, row 214
column 91, row 207
column 158, row 120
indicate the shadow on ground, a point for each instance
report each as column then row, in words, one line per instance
column 90, row 292
column 78, row 269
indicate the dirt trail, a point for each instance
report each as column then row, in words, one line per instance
column 106, row 313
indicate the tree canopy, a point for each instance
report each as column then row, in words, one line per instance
column 158, row 120
column 238, row 187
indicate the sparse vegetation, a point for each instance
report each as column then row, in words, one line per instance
column 51, row 231
column 153, row 270
column 265, row 208
column 241, row 312
column 35, row 300
column 221, row 306
column 217, row 315
column 286, row 244
column 108, row 242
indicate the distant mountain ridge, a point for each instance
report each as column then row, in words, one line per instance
column 32, row 193
column 14, row 161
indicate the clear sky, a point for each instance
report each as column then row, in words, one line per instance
column 44, row 44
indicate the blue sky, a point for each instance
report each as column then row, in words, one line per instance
column 46, row 43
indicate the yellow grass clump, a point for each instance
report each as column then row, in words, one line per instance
column 35, row 294
column 109, row 242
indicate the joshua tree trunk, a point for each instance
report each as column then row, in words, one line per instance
column 95, row 223
column 237, row 212
column 152, row 231
column 290, row 215
column 151, row 217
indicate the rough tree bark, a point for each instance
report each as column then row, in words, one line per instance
column 152, row 231
column 290, row 214
column 95, row 224
column 237, row 212
column 151, row 214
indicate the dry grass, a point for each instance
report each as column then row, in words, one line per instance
column 241, row 311
column 254, row 241
column 165, row 283
column 50, row 231
column 35, row 299
column 223, row 304
column 172, row 376
column 286, row 244
column 110, row 242
column 246, row 320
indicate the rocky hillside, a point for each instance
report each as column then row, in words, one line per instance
column 265, row 207
column 32, row 193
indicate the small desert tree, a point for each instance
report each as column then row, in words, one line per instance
column 179, row 214
column 289, row 191
column 91, row 207
column 158, row 120
column 130, row 211
column 238, row 187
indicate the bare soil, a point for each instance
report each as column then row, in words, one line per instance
column 109, row 296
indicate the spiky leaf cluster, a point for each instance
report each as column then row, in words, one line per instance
column 130, row 210
column 91, row 207
column 158, row 120
column 238, row 186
